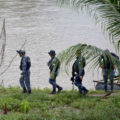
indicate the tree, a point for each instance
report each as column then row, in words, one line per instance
column 2, row 49
column 91, row 54
column 105, row 11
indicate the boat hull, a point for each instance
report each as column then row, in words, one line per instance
column 100, row 86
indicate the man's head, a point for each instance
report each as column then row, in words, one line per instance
column 78, row 53
column 21, row 53
column 52, row 53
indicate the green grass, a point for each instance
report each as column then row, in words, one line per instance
column 68, row 105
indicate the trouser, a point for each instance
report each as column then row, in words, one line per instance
column 78, row 83
column 54, row 84
column 25, row 81
column 108, row 74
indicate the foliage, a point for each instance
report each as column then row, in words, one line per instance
column 25, row 107
column 105, row 11
column 68, row 105
column 91, row 53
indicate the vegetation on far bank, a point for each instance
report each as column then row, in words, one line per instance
column 68, row 105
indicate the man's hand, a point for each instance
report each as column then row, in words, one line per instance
column 22, row 76
column 102, row 66
column 81, row 77
column 72, row 79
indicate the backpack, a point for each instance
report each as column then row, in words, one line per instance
column 28, row 63
column 113, row 54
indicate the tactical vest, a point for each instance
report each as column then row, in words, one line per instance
column 77, row 65
column 54, row 63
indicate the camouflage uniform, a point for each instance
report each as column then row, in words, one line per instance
column 107, row 69
column 54, row 65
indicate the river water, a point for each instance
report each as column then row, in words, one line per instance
column 45, row 26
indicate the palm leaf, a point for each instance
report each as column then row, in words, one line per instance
column 105, row 11
column 91, row 54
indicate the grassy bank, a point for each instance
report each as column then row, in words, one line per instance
column 68, row 105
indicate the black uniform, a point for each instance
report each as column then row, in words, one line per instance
column 77, row 71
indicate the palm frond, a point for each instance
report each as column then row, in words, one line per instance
column 91, row 54
column 105, row 11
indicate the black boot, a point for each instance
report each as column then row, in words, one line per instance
column 54, row 91
column 60, row 89
column 29, row 91
column 80, row 91
column 24, row 90
column 85, row 90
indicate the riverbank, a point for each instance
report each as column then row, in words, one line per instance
column 68, row 105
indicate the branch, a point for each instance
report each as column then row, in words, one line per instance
column 12, row 60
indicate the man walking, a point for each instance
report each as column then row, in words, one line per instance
column 78, row 72
column 25, row 65
column 54, row 65
column 107, row 68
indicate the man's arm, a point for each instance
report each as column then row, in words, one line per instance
column 81, row 67
column 101, row 62
column 49, row 63
column 55, row 65
column 24, row 66
column 73, row 73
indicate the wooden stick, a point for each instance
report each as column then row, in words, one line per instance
column 12, row 60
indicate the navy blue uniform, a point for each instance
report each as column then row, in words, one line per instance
column 25, row 68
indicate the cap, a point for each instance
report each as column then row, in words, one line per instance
column 52, row 52
column 21, row 52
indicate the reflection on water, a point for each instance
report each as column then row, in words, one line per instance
column 45, row 26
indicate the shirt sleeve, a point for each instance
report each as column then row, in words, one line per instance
column 24, row 66
column 81, row 66
column 101, row 60
column 84, row 62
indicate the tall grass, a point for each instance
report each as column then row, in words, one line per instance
column 68, row 105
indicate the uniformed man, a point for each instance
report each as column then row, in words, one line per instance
column 107, row 68
column 25, row 65
column 54, row 65
column 78, row 72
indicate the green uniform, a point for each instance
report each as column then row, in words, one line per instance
column 78, row 66
column 54, row 65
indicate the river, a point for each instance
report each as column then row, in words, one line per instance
column 45, row 26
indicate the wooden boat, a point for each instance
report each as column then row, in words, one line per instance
column 100, row 84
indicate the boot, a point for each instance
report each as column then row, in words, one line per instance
column 80, row 91
column 60, row 89
column 24, row 90
column 85, row 91
column 54, row 91
column 29, row 91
